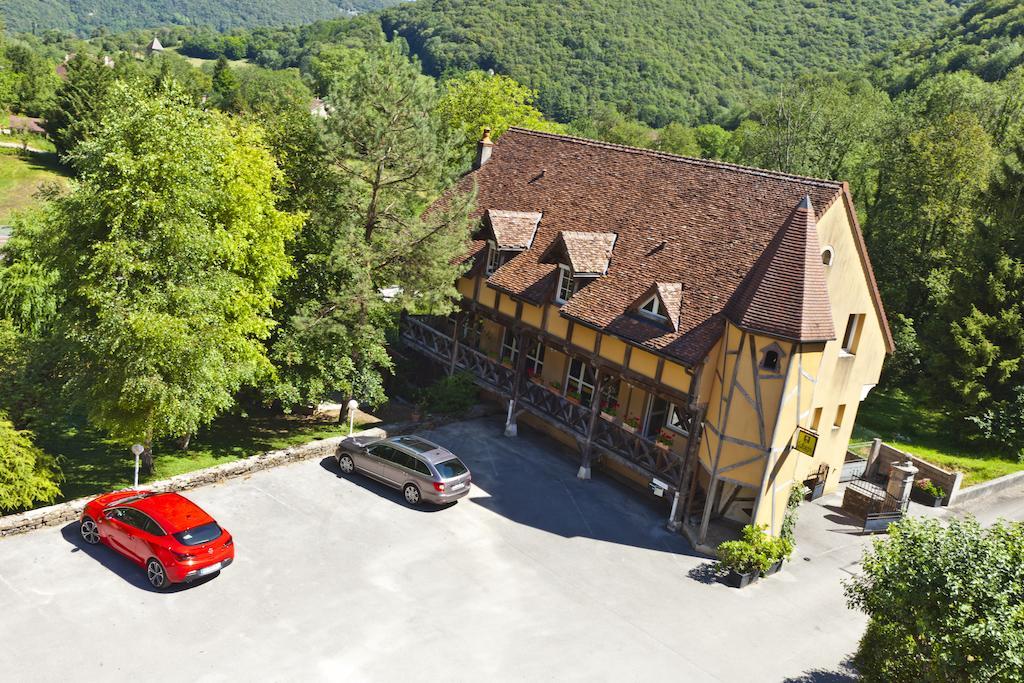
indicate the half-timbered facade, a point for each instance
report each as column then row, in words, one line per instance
column 701, row 328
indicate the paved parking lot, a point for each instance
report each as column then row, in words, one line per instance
column 536, row 576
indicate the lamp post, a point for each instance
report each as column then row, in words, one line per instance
column 137, row 450
column 352, row 406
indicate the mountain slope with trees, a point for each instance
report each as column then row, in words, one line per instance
column 658, row 61
column 81, row 17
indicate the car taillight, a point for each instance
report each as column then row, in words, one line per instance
column 439, row 486
column 182, row 557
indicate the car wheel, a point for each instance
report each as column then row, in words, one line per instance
column 345, row 464
column 156, row 574
column 90, row 532
column 412, row 494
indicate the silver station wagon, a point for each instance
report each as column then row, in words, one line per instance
column 418, row 468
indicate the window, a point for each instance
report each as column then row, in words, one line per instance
column 204, row 533
column 827, row 254
column 852, row 334
column 420, row 467
column 816, row 420
column 665, row 414
column 566, row 284
column 451, row 468
column 510, row 347
column 771, row 360
column 415, row 443
column 535, row 359
column 840, row 412
column 652, row 309
column 580, row 381
column 493, row 257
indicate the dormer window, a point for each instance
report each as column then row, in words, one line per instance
column 653, row 309
column 493, row 257
column 567, row 284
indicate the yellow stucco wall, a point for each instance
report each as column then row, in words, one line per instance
column 643, row 362
column 584, row 337
column 532, row 315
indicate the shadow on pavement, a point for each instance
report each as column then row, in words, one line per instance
column 376, row 487
column 706, row 573
column 529, row 480
column 845, row 674
column 119, row 564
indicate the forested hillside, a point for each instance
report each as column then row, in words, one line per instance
column 79, row 16
column 987, row 39
column 660, row 60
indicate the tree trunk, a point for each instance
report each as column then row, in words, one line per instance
column 183, row 441
column 146, row 458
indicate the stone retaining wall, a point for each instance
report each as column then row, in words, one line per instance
column 69, row 511
column 883, row 456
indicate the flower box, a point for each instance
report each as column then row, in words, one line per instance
column 774, row 569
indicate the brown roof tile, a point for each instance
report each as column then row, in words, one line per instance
column 785, row 294
column 513, row 229
column 698, row 223
column 588, row 253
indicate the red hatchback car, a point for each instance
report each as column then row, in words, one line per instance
column 169, row 535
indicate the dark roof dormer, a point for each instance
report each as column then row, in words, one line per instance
column 512, row 230
column 588, row 254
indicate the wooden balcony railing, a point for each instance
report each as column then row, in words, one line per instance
column 567, row 415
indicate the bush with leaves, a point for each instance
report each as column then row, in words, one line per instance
column 754, row 551
column 450, row 395
column 946, row 603
column 27, row 475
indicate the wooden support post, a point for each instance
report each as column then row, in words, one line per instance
column 709, row 505
column 455, row 343
column 595, row 413
column 511, row 425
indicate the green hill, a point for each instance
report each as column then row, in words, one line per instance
column 81, row 16
column 658, row 60
column 987, row 39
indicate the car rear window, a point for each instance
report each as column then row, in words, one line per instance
column 416, row 444
column 198, row 535
column 451, row 468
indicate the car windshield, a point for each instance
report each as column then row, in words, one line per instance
column 198, row 535
column 451, row 468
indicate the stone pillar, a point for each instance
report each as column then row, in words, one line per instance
column 871, row 468
column 901, row 478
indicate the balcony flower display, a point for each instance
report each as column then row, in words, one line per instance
column 665, row 439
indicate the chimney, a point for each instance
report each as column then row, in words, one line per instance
column 483, row 149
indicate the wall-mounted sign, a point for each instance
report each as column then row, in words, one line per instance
column 806, row 441
column 658, row 487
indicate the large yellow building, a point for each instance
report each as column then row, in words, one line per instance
column 704, row 329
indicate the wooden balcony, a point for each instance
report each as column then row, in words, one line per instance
column 611, row 439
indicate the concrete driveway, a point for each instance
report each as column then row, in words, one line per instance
column 536, row 576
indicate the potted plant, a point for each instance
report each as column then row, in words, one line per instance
column 779, row 550
column 745, row 559
column 556, row 387
column 532, row 375
column 926, row 492
column 632, row 423
column 573, row 396
column 665, row 439
column 609, row 409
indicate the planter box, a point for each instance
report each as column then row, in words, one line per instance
column 610, row 418
column 774, row 569
column 737, row 580
column 816, row 491
column 926, row 499
column 629, row 428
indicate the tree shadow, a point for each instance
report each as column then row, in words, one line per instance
column 844, row 674
column 706, row 573
column 120, row 565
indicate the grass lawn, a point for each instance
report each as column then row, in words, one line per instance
column 21, row 177
column 902, row 423
column 92, row 463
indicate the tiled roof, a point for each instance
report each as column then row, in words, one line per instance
column 513, row 229
column 671, row 296
column 588, row 253
column 698, row 223
column 785, row 294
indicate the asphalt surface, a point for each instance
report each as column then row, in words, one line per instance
column 536, row 576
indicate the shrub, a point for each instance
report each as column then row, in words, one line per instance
column 928, row 486
column 755, row 551
column 450, row 395
column 946, row 603
column 796, row 496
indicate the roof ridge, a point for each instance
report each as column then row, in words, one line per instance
column 668, row 156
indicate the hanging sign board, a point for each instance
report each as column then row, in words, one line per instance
column 806, row 441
